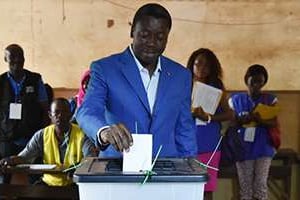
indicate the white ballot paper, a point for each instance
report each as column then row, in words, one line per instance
column 207, row 97
column 139, row 157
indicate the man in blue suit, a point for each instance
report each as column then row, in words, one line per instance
column 140, row 88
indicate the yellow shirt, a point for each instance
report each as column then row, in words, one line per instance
column 51, row 154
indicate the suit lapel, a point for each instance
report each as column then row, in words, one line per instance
column 132, row 75
column 164, row 81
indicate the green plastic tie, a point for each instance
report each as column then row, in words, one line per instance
column 149, row 173
column 73, row 167
column 204, row 166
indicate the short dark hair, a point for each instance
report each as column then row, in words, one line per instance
column 153, row 10
column 63, row 101
column 256, row 69
column 16, row 48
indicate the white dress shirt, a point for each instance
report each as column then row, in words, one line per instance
column 150, row 83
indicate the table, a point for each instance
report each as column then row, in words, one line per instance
column 22, row 190
column 13, row 191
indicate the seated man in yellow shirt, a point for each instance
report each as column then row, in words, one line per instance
column 61, row 143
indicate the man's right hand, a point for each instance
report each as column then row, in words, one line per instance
column 118, row 136
column 11, row 161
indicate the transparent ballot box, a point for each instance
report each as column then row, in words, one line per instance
column 171, row 179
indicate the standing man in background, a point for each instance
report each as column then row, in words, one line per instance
column 140, row 88
column 23, row 104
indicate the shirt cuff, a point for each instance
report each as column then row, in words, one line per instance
column 100, row 143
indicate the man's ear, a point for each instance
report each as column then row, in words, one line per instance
column 49, row 115
column 6, row 54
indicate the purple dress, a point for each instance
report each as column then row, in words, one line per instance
column 207, row 139
column 242, row 104
column 208, row 135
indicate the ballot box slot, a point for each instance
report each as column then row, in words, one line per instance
column 166, row 170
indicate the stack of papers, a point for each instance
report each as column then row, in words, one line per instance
column 207, row 97
column 266, row 112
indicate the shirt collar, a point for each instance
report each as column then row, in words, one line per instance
column 9, row 76
column 140, row 66
column 66, row 136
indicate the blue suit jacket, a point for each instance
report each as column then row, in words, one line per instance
column 116, row 94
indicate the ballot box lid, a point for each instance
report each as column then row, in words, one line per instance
column 166, row 170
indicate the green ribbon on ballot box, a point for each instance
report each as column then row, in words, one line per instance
column 74, row 166
column 205, row 166
column 149, row 173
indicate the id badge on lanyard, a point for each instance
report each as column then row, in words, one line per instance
column 15, row 109
column 249, row 134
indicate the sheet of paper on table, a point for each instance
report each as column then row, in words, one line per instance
column 37, row 166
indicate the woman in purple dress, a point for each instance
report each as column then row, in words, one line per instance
column 253, row 131
column 206, row 68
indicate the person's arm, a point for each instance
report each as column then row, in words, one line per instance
column 240, row 120
column 226, row 114
column 11, row 161
column 33, row 149
column 43, row 100
column 91, row 114
column 237, row 120
column 266, row 122
column 185, row 133
column 199, row 113
column 88, row 148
